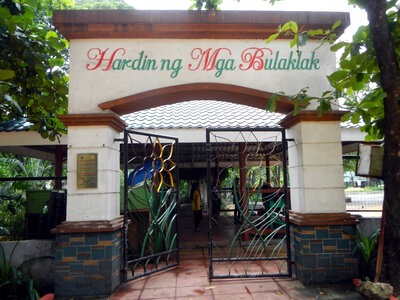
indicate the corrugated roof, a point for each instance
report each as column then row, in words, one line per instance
column 190, row 114
column 21, row 124
column 349, row 124
column 202, row 114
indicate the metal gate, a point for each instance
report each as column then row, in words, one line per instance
column 248, row 203
column 151, row 199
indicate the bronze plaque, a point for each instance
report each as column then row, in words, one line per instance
column 87, row 171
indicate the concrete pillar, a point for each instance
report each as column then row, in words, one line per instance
column 315, row 166
column 322, row 233
column 88, row 254
column 101, row 203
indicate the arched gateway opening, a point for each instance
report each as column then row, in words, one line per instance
column 128, row 61
column 238, row 213
column 195, row 91
column 241, row 168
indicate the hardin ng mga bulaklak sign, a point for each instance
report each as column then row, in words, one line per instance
column 215, row 60
column 104, row 70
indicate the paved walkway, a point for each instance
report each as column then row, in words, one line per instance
column 190, row 281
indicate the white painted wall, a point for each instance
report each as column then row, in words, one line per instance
column 88, row 88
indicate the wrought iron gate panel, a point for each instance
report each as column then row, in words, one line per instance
column 151, row 199
column 248, row 224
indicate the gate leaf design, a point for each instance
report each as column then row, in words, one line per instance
column 151, row 206
column 256, row 243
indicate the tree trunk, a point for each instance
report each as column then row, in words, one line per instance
column 390, row 80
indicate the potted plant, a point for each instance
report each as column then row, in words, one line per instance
column 365, row 248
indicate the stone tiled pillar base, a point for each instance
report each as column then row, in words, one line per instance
column 88, row 258
column 321, row 246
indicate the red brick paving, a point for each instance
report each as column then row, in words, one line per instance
column 189, row 280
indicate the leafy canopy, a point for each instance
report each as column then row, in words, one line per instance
column 357, row 79
column 34, row 61
column 33, row 56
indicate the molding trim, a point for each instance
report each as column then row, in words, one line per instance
column 310, row 116
column 195, row 91
column 90, row 226
column 108, row 119
column 324, row 219
column 174, row 24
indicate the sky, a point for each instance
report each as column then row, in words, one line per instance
column 358, row 17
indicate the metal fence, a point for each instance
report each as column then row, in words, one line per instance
column 366, row 200
column 364, row 195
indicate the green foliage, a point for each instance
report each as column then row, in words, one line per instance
column 214, row 4
column 12, row 193
column 14, row 282
column 101, row 4
column 366, row 249
column 184, row 189
column 365, row 189
column 206, row 4
column 365, row 245
column 12, row 215
column 255, row 176
column 33, row 56
column 349, row 164
column 300, row 36
column 357, row 80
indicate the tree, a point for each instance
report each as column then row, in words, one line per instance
column 369, row 80
column 369, row 68
column 384, row 27
column 34, row 62
column 33, row 69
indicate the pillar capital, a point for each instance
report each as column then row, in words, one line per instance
column 315, row 162
column 310, row 116
column 94, row 119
